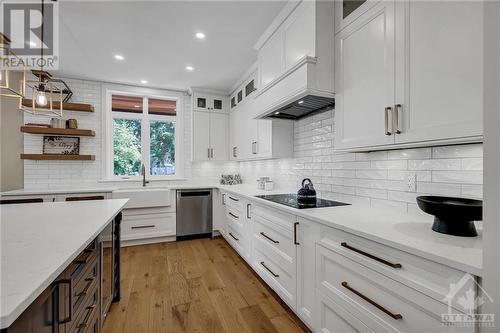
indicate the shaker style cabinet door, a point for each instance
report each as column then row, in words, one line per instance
column 201, row 136
column 365, row 79
column 201, row 102
column 218, row 137
column 439, row 66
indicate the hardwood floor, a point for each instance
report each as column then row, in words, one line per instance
column 194, row 286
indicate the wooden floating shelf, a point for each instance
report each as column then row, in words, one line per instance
column 57, row 157
column 57, row 131
column 66, row 106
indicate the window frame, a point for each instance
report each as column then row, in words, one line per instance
column 145, row 118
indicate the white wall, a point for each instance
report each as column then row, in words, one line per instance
column 63, row 174
column 376, row 178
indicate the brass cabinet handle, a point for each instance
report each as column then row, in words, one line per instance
column 230, row 234
column 208, row 152
column 143, row 226
column 267, row 268
column 235, row 216
column 395, row 316
column 386, row 120
column 295, row 233
column 396, row 125
column 371, row 256
column 248, row 211
column 89, row 309
column 211, row 153
column 272, row 240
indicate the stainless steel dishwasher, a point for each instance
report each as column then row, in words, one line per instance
column 194, row 214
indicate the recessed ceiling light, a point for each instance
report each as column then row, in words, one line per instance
column 144, row 81
column 277, row 112
column 200, row 35
column 301, row 101
column 190, row 68
column 119, row 57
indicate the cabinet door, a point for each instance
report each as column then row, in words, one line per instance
column 300, row 34
column 439, row 69
column 218, row 136
column 271, row 59
column 308, row 233
column 218, row 103
column 264, row 145
column 234, row 126
column 365, row 67
column 201, row 136
column 201, row 102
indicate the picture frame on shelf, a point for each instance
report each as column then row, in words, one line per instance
column 61, row 145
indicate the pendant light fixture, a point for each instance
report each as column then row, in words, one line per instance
column 46, row 98
column 8, row 88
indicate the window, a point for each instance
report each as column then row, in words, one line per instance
column 143, row 132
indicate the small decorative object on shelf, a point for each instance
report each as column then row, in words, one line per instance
column 65, row 145
column 72, row 124
column 231, row 179
column 57, row 123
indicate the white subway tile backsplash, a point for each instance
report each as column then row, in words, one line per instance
column 389, row 165
column 458, row 177
column 459, row 151
column 443, row 164
column 402, row 154
column 439, row 189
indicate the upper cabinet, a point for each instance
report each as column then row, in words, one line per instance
column 409, row 73
column 209, row 102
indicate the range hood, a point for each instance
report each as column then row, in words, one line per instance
column 305, row 106
column 303, row 90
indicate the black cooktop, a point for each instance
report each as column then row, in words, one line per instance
column 291, row 201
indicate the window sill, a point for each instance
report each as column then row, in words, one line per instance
column 151, row 180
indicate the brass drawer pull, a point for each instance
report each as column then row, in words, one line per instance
column 267, row 268
column 230, row 234
column 235, row 216
column 396, row 125
column 143, row 226
column 395, row 316
column 89, row 309
column 86, row 289
column 272, row 240
column 371, row 256
column 387, row 110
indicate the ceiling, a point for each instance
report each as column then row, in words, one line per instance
column 157, row 40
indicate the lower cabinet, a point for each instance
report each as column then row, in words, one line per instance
column 339, row 282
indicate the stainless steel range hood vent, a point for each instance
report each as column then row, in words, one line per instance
column 303, row 107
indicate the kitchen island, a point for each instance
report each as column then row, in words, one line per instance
column 40, row 241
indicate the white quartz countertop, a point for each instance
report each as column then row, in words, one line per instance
column 406, row 232
column 38, row 241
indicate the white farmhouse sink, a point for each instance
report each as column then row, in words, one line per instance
column 144, row 197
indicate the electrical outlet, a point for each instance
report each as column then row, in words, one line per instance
column 411, row 182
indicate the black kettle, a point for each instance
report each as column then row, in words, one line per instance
column 306, row 196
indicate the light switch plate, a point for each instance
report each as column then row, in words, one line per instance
column 411, row 182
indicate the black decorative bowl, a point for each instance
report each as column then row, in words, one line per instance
column 452, row 216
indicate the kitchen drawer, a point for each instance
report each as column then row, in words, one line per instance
column 84, row 286
column 429, row 277
column 277, row 237
column 235, row 219
column 83, row 320
column 237, row 241
column 379, row 302
column 141, row 226
column 278, row 217
column 278, row 274
column 80, row 265
column 235, row 202
column 333, row 317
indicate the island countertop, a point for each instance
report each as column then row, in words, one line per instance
column 39, row 240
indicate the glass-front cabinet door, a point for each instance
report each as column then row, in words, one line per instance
column 217, row 104
column 201, row 102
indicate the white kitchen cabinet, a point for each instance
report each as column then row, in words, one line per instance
column 236, row 127
column 347, row 11
column 209, row 102
column 400, row 69
column 219, row 211
column 270, row 60
column 365, row 79
column 440, row 70
column 308, row 234
column 210, row 136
